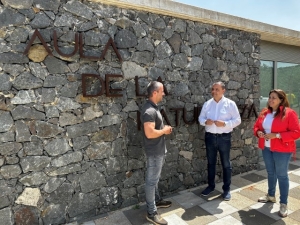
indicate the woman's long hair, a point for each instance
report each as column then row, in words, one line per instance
column 283, row 104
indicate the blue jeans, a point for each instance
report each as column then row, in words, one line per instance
column 218, row 143
column 154, row 167
column 277, row 164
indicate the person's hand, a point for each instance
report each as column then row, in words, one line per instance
column 260, row 134
column 167, row 129
column 270, row 136
column 209, row 122
column 219, row 123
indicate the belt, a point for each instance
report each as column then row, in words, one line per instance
column 218, row 135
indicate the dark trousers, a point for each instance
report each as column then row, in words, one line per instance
column 218, row 143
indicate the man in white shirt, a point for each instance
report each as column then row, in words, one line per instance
column 219, row 115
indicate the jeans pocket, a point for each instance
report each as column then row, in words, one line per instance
column 226, row 137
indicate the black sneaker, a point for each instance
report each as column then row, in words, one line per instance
column 156, row 219
column 163, row 204
column 207, row 191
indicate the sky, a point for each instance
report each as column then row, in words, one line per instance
column 282, row 13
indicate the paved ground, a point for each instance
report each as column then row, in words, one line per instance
column 190, row 208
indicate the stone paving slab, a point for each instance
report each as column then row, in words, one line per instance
column 188, row 200
column 193, row 215
column 218, row 208
column 227, row 220
column 117, row 218
column 251, row 216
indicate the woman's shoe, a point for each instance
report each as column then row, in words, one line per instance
column 267, row 198
column 283, row 211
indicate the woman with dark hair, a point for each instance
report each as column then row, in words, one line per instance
column 277, row 128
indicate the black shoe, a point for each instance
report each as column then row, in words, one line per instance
column 156, row 219
column 207, row 191
column 163, row 204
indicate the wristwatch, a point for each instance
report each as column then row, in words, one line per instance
column 278, row 135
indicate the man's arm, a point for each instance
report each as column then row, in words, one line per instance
column 236, row 117
column 151, row 132
column 202, row 117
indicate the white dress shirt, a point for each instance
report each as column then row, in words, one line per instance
column 225, row 110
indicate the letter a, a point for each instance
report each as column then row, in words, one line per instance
column 37, row 33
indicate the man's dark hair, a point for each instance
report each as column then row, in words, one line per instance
column 152, row 86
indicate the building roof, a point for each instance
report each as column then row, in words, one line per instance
column 170, row 8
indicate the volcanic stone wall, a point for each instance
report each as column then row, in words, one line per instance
column 72, row 80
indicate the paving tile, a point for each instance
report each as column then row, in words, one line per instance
column 263, row 186
column 296, row 162
column 188, row 200
column 286, row 221
column 116, row 217
column 251, row 216
column 227, row 220
column 218, row 208
column 214, row 195
column 240, row 182
column 174, row 220
column 297, row 173
column 293, row 167
column 293, row 203
column 174, row 208
column 295, row 178
column 196, row 216
column 295, row 192
column 269, row 209
column 239, row 201
column 233, row 188
column 137, row 216
column 295, row 216
column 188, row 190
column 293, row 185
column 254, row 177
column 252, row 193
column 262, row 173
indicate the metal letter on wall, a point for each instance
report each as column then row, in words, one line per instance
column 37, row 34
column 85, row 77
column 177, row 111
column 245, row 107
column 112, row 43
column 108, row 93
column 57, row 49
column 192, row 121
column 95, row 58
column 164, row 115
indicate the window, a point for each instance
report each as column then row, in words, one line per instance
column 288, row 79
column 285, row 76
column 266, row 81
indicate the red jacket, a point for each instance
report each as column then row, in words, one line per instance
column 288, row 127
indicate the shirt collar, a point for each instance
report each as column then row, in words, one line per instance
column 221, row 100
column 152, row 103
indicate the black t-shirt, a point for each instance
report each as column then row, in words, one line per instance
column 150, row 113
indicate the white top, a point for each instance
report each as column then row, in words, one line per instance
column 225, row 110
column 267, row 125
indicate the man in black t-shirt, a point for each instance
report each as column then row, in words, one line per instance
column 154, row 132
